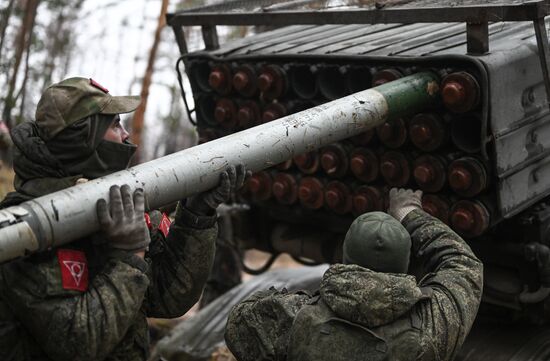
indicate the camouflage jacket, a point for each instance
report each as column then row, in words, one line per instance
column 359, row 314
column 54, row 306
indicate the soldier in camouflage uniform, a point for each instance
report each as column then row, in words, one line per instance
column 88, row 300
column 368, row 308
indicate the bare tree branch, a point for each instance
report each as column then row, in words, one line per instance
column 139, row 115
column 23, row 38
column 23, row 88
column 4, row 21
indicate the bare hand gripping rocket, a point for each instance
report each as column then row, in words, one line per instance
column 61, row 217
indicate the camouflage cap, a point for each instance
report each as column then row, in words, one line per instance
column 73, row 99
column 379, row 242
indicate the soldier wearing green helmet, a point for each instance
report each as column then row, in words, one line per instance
column 89, row 300
column 369, row 308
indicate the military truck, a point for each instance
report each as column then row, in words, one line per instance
column 481, row 155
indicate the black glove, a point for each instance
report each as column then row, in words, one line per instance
column 403, row 201
column 231, row 180
column 123, row 221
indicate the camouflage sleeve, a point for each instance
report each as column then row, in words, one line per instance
column 180, row 264
column 455, row 279
column 258, row 328
column 70, row 324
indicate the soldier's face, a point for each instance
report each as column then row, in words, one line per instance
column 116, row 132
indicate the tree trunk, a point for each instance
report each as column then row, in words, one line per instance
column 23, row 37
column 55, row 46
column 59, row 47
column 23, row 89
column 139, row 115
column 4, row 21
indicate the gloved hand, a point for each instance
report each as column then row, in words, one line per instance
column 123, row 221
column 231, row 180
column 404, row 201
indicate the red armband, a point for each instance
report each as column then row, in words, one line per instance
column 164, row 225
column 74, row 269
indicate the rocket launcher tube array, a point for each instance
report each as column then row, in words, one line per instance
column 61, row 217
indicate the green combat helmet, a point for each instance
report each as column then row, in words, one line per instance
column 73, row 99
column 379, row 242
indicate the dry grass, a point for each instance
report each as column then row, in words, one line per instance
column 6, row 180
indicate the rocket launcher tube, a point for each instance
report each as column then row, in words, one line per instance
column 61, row 217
